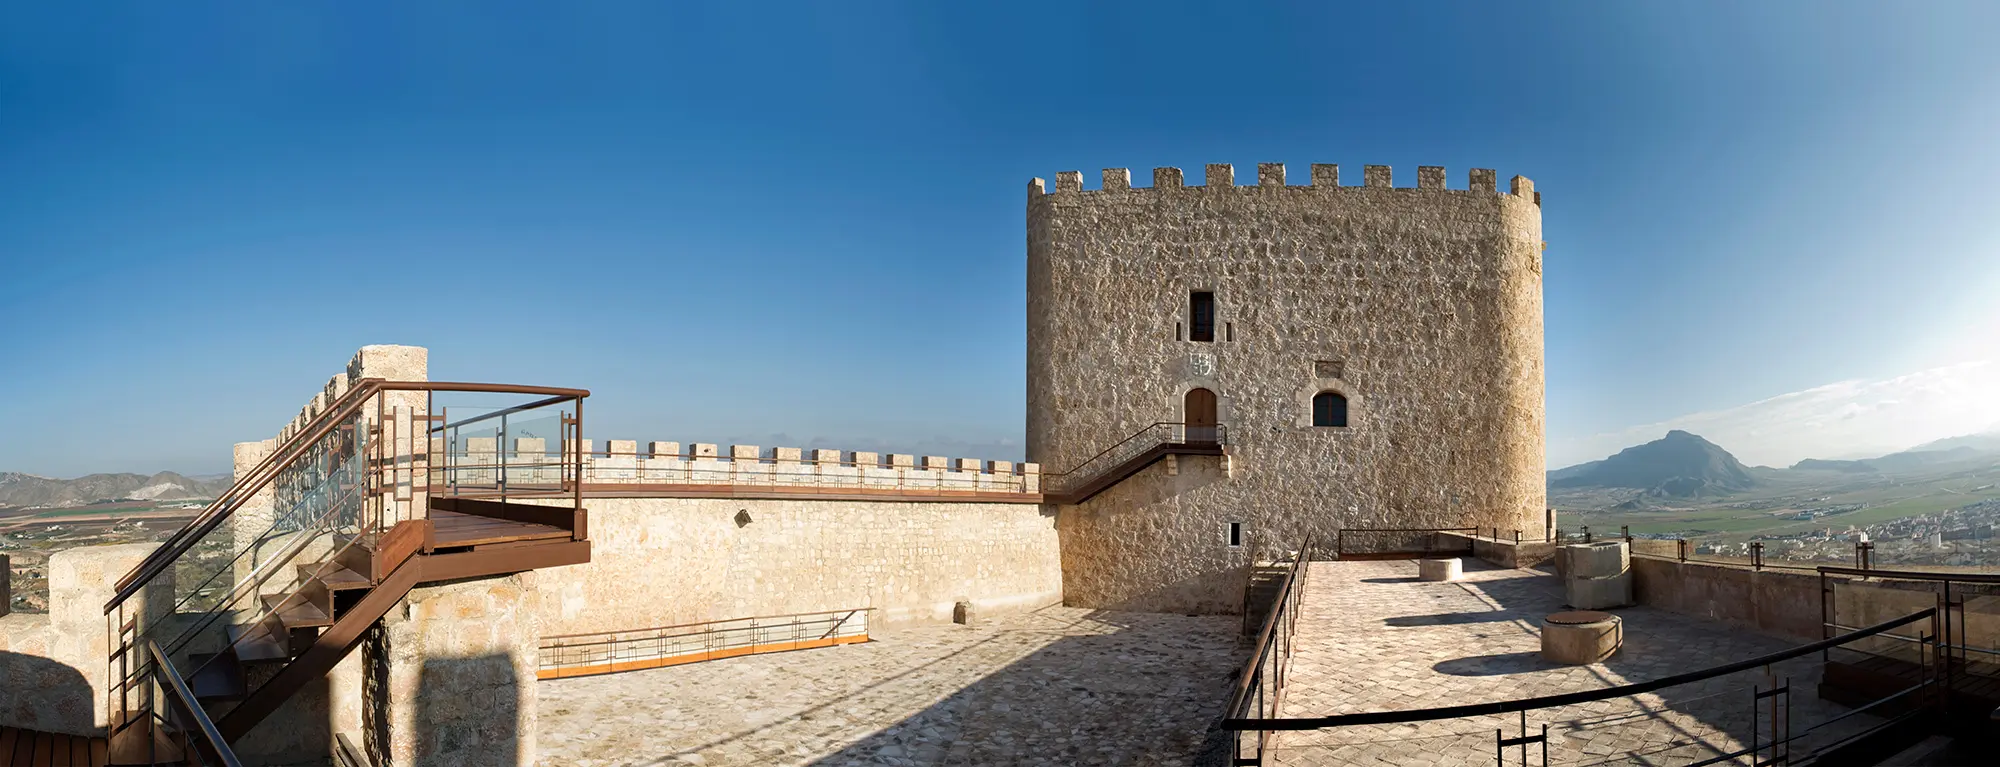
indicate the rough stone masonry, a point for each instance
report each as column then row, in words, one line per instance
column 1421, row 307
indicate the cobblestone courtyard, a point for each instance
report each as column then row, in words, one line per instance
column 1372, row 637
column 1060, row 686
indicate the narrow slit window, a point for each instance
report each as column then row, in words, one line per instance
column 1201, row 316
column 1177, row 331
column 1236, row 533
column 1329, row 409
column 1229, row 331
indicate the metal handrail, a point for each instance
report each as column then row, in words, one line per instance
column 610, row 648
column 267, row 471
column 1340, row 537
column 1053, row 479
column 1263, row 645
column 1910, row 575
column 843, row 611
column 1570, row 698
column 182, row 699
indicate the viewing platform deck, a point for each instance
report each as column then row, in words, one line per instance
column 1373, row 637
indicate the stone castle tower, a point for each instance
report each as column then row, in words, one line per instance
column 1371, row 354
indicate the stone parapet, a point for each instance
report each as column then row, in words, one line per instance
column 1271, row 175
column 665, row 464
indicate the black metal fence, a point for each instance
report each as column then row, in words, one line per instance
column 1771, row 737
column 1400, row 542
column 1260, row 689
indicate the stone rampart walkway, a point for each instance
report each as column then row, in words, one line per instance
column 1061, row 686
column 1372, row 637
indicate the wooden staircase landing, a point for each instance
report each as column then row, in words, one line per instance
column 30, row 748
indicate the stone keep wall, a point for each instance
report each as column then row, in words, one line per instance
column 668, row 561
column 1421, row 306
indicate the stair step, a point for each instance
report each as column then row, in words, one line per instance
column 217, row 676
column 255, row 643
column 295, row 614
column 335, row 576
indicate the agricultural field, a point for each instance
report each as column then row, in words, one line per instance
column 29, row 536
column 1942, row 515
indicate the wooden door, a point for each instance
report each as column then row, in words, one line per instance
column 1198, row 413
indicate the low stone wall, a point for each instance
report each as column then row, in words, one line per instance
column 1787, row 602
column 1782, row 602
column 52, row 667
column 669, row 561
column 1503, row 552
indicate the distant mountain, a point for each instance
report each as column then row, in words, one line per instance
column 1971, row 447
column 1679, row 465
column 31, row 490
column 1988, row 441
column 1851, row 467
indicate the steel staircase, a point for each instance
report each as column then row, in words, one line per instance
column 1129, row 456
column 277, row 581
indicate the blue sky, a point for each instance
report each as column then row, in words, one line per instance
column 735, row 221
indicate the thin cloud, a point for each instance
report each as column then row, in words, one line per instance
column 1845, row 419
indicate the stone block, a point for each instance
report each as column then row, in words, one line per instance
column 1599, row 559
column 1117, row 179
column 1588, row 593
column 936, row 463
column 1583, row 637
column 1166, row 178
column 1220, row 174
column 1325, row 174
column 1483, row 180
column 665, row 449
column 970, row 464
column 1439, row 569
column 826, row 457
column 621, row 446
column 390, row 362
column 1430, row 177
column 1377, row 175
column 744, row 452
column 865, row 459
column 703, row 450
column 1270, row 174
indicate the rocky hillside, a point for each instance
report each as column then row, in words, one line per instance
column 1679, row 465
column 26, row 490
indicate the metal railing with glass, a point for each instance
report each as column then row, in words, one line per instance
column 365, row 462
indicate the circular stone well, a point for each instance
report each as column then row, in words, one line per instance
column 1439, row 569
column 1581, row 636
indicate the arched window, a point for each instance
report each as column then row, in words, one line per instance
column 1329, row 409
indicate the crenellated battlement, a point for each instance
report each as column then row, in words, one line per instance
column 1272, row 175
column 623, row 462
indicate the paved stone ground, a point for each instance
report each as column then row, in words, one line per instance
column 1372, row 637
column 1061, row 686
